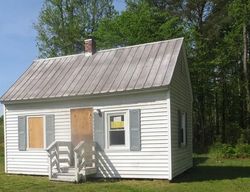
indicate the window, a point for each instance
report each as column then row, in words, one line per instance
column 117, row 130
column 35, row 132
column 182, row 128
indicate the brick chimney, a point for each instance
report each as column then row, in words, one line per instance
column 89, row 47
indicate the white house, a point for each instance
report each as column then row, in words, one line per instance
column 116, row 113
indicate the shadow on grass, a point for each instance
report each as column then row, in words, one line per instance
column 206, row 172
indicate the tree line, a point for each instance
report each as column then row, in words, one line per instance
column 217, row 41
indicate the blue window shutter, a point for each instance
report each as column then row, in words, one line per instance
column 99, row 131
column 50, row 129
column 135, row 129
column 22, row 133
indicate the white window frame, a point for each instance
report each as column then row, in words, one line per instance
column 44, row 133
column 126, row 129
column 184, row 127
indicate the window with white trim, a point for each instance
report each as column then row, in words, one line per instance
column 35, row 132
column 117, row 133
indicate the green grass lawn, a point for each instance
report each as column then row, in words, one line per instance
column 208, row 174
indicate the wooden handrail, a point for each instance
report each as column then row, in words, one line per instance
column 52, row 145
column 79, row 146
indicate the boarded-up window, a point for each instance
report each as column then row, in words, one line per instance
column 35, row 132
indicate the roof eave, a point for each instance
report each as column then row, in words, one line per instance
column 98, row 95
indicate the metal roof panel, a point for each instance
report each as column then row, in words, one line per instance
column 141, row 66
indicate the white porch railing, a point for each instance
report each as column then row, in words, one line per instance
column 84, row 154
column 84, row 159
column 54, row 152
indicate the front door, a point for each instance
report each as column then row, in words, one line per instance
column 81, row 125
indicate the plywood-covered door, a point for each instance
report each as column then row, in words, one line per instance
column 81, row 125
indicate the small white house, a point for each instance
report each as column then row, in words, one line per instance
column 116, row 113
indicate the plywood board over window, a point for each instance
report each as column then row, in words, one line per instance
column 36, row 132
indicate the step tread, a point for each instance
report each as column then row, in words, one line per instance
column 69, row 176
column 71, row 179
column 90, row 171
column 65, row 174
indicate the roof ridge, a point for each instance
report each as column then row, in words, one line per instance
column 111, row 49
column 58, row 57
column 143, row 44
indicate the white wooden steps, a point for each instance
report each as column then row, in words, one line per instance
column 66, row 167
column 69, row 176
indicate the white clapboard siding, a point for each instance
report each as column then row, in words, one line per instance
column 33, row 162
column 181, row 99
column 151, row 162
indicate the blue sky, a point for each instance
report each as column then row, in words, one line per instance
column 18, row 38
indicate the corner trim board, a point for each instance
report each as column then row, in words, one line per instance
column 5, row 139
column 169, row 136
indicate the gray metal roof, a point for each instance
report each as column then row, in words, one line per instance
column 137, row 67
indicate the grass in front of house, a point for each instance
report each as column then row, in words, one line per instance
column 209, row 174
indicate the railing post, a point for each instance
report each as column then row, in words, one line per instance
column 51, row 151
column 93, row 156
column 57, row 158
column 71, row 153
column 76, row 167
column 50, row 168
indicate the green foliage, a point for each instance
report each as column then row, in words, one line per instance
column 64, row 24
column 220, row 150
column 215, row 58
column 240, row 150
column 213, row 31
column 227, row 151
column 140, row 23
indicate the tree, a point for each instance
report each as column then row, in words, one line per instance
column 217, row 40
column 139, row 23
column 240, row 13
column 219, row 65
column 64, row 24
